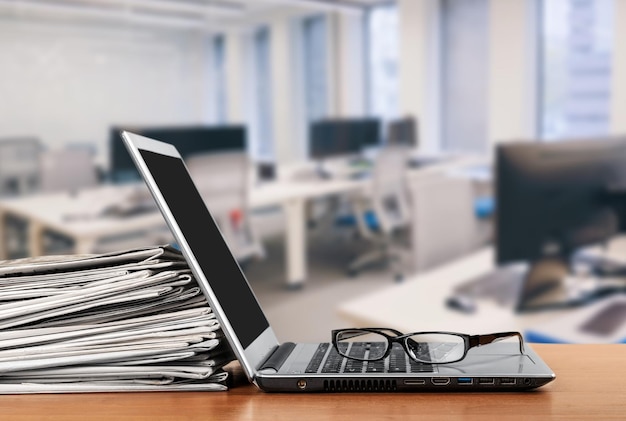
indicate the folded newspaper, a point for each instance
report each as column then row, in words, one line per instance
column 133, row 320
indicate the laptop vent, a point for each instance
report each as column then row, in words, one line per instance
column 360, row 386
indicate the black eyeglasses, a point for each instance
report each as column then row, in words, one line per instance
column 371, row 344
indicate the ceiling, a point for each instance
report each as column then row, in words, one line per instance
column 201, row 15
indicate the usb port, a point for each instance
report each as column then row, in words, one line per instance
column 464, row 380
column 414, row 382
column 507, row 381
column 440, row 381
column 486, row 380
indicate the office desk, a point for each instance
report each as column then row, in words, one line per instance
column 292, row 196
column 589, row 385
column 50, row 212
column 76, row 215
column 419, row 303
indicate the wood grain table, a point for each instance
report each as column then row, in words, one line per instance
column 590, row 384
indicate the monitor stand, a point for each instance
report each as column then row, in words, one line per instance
column 544, row 285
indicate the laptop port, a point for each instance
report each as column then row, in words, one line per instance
column 486, row 380
column 414, row 382
column 440, row 381
column 507, row 381
column 464, row 380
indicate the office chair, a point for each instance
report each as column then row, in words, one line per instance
column 403, row 132
column 384, row 215
column 19, row 165
column 68, row 169
column 223, row 180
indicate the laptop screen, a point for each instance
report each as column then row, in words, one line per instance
column 209, row 248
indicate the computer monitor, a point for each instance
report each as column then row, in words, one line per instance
column 554, row 198
column 402, row 132
column 342, row 137
column 189, row 140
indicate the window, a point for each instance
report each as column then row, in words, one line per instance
column 315, row 67
column 575, row 72
column 263, row 90
column 219, row 79
column 383, row 78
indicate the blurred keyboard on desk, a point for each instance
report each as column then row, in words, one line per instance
column 350, row 170
column 503, row 285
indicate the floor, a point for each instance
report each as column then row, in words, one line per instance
column 309, row 314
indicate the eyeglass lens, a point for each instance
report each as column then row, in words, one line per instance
column 435, row 347
column 428, row 348
column 361, row 344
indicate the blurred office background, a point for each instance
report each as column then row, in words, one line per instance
column 441, row 81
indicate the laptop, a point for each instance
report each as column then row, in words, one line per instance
column 302, row 367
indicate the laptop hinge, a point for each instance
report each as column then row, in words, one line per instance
column 278, row 356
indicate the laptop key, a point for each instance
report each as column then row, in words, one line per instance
column 333, row 362
column 375, row 366
column 358, row 350
column 317, row 359
column 416, row 367
column 353, row 366
column 397, row 360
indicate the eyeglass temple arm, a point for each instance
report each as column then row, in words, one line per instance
column 479, row 340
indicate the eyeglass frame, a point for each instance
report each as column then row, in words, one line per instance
column 469, row 341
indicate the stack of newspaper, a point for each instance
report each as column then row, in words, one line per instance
column 127, row 321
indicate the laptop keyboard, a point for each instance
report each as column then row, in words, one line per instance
column 327, row 360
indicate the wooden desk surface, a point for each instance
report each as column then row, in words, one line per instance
column 590, row 383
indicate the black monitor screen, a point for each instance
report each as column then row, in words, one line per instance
column 330, row 138
column 553, row 198
column 188, row 140
column 208, row 246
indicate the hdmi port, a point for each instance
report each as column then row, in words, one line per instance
column 440, row 381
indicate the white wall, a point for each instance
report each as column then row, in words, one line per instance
column 464, row 75
column 618, row 85
column 511, row 79
column 286, row 139
column 70, row 83
column 419, row 62
column 512, row 70
column 236, row 79
column 349, row 64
